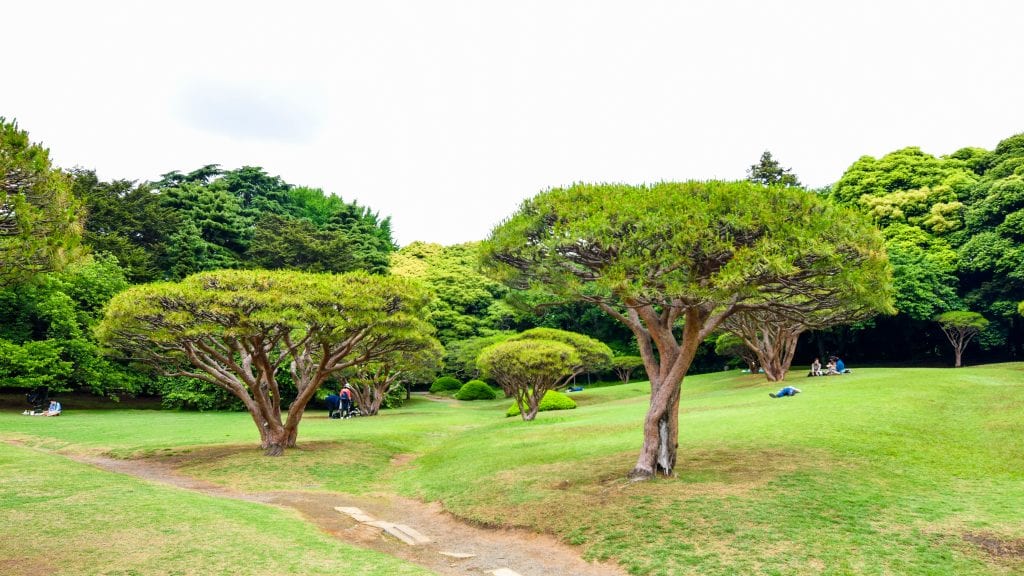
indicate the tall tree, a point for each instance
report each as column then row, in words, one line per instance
column 237, row 329
column 692, row 253
column 40, row 220
column 768, row 171
column 128, row 221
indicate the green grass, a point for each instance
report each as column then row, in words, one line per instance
column 62, row 517
column 884, row 471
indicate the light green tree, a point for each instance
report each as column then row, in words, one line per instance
column 40, row 220
column 467, row 304
column 371, row 382
column 624, row 366
column 729, row 344
column 527, row 365
column 692, row 253
column 238, row 329
column 960, row 326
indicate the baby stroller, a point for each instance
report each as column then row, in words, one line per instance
column 38, row 399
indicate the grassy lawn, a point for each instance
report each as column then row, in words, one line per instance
column 899, row 471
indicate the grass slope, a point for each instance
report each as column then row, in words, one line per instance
column 908, row 471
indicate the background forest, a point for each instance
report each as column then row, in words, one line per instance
column 954, row 230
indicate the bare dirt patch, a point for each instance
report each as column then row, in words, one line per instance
column 527, row 553
column 23, row 566
column 995, row 546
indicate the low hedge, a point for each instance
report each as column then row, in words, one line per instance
column 445, row 384
column 475, row 390
column 551, row 401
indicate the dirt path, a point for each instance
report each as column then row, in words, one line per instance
column 526, row 553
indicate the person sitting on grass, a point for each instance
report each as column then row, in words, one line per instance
column 53, row 410
column 830, row 368
column 787, row 391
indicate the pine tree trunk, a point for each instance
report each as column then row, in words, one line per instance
column 277, row 440
column 661, row 425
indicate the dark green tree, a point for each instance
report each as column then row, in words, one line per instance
column 128, row 221
column 284, row 242
column 40, row 220
column 768, row 171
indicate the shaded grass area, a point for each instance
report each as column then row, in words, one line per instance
column 898, row 471
column 68, row 518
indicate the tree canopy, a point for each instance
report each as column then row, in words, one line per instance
column 960, row 326
column 692, row 252
column 238, row 329
column 530, row 364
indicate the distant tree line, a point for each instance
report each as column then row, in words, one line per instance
column 953, row 229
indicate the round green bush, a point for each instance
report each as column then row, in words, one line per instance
column 551, row 401
column 445, row 384
column 475, row 390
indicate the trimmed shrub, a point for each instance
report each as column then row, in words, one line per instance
column 475, row 390
column 445, row 384
column 551, row 401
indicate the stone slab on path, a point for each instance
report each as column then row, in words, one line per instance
column 401, row 531
column 504, row 572
column 457, row 555
column 356, row 513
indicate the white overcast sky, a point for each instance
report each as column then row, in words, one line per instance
column 445, row 115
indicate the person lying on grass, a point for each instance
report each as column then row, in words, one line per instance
column 787, row 391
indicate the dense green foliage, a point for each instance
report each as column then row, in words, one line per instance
column 953, row 236
column 460, row 355
column 467, row 304
column 475, row 390
column 445, row 384
column 552, row 400
column 40, row 223
column 46, row 331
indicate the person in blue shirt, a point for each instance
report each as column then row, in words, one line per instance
column 333, row 402
column 54, row 409
column 840, row 367
column 787, row 391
